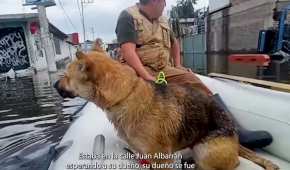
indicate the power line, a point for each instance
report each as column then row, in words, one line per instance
column 79, row 8
column 83, row 15
column 93, row 33
column 83, row 21
column 61, row 5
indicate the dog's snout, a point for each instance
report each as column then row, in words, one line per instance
column 62, row 92
column 55, row 85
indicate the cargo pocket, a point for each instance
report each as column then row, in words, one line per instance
column 166, row 36
column 151, row 56
column 139, row 27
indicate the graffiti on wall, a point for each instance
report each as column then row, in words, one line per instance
column 13, row 50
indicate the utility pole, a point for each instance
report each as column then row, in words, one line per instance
column 46, row 42
column 83, row 19
column 93, row 33
column 45, row 39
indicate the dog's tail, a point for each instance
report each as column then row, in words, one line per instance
column 252, row 156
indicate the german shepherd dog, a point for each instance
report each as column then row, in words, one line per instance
column 156, row 118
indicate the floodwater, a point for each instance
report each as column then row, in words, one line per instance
column 33, row 118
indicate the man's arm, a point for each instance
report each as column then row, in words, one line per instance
column 129, row 53
column 175, row 52
column 127, row 37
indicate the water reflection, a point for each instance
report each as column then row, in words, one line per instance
column 33, row 117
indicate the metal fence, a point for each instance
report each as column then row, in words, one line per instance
column 194, row 53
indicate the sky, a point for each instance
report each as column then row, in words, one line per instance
column 100, row 16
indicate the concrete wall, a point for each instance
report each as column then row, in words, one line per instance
column 73, row 50
column 36, row 54
column 64, row 50
column 38, row 57
column 237, row 2
column 236, row 30
column 245, row 25
column 67, row 53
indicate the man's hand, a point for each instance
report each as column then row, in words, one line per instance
column 129, row 53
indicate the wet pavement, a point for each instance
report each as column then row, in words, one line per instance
column 33, row 118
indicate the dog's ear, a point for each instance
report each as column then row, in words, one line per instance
column 80, row 55
column 86, row 68
column 82, row 66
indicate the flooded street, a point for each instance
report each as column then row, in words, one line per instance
column 33, row 118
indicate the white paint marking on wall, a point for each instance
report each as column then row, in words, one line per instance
column 12, row 50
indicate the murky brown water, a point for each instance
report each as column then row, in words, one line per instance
column 33, row 118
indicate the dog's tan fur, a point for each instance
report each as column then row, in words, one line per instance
column 157, row 119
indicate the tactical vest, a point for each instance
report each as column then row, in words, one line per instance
column 153, row 39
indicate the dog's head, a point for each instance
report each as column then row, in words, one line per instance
column 96, row 77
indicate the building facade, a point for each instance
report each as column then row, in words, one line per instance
column 20, row 43
column 233, row 26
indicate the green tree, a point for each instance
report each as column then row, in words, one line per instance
column 183, row 9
